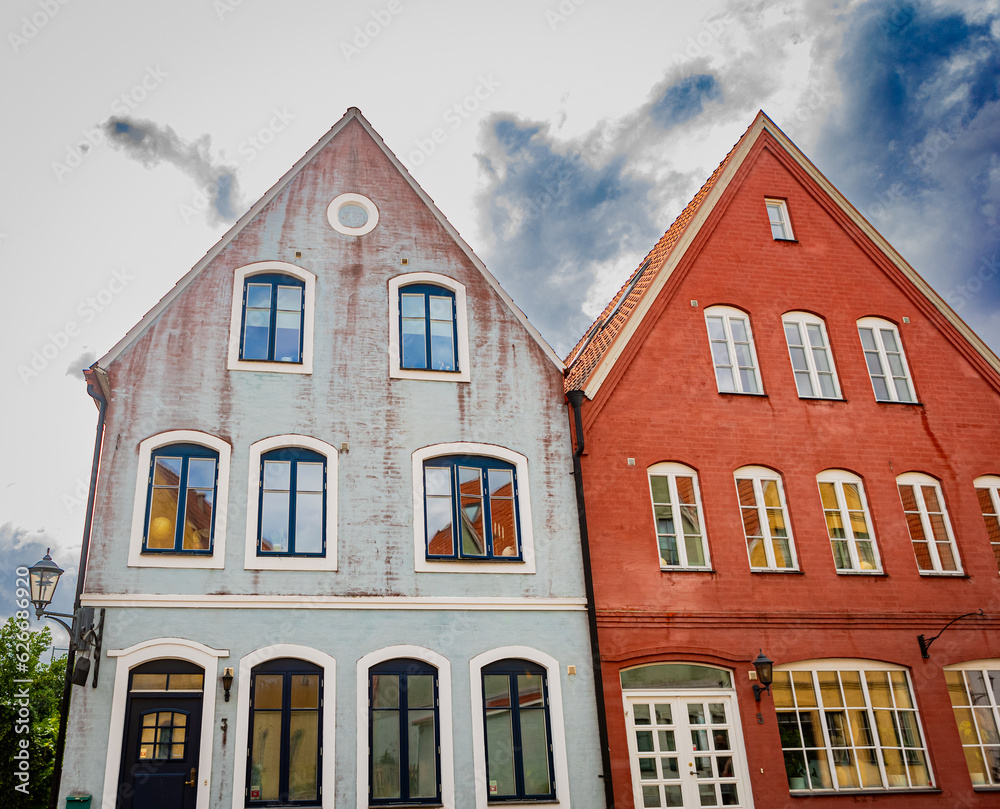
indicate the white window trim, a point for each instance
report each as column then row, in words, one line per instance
column 804, row 319
column 217, row 560
column 727, row 313
column 447, row 754
column 242, row 699
column 671, row 470
column 862, row 666
column 842, row 476
column 308, row 320
column 559, row 758
column 461, row 324
column 918, row 479
column 333, row 214
column 757, row 474
column 424, row 565
column 251, row 561
column 162, row 649
column 876, row 324
column 786, row 222
column 992, row 484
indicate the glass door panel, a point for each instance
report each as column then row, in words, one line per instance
column 682, row 751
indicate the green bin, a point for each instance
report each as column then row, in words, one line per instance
column 78, row 802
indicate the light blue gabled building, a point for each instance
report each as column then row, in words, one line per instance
column 336, row 464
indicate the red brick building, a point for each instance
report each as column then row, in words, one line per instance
column 791, row 444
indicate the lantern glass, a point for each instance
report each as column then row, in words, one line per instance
column 44, row 576
column 765, row 669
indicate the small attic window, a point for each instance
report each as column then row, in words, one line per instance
column 352, row 215
column 777, row 216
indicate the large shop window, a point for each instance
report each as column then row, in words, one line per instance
column 975, row 698
column 284, row 758
column 677, row 516
column 849, row 727
column 404, row 734
column 518, row 732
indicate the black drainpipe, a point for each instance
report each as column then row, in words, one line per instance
column 575, row 398
column 93, row 388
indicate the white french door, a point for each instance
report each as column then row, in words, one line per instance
column 686, row 750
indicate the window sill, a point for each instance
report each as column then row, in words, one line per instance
column 271, row 367
column 688, row 570
column 739, row 393
column 429, row 376
column 826, row 793
column 940, row 574
column 985, row 788
column 868, row 573
column 758, row 570
column 893, row 402
column 823, row 399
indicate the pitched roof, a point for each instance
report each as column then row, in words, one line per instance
column 353, row 113
column 604, row 342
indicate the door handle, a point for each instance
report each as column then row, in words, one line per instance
column 190, row 781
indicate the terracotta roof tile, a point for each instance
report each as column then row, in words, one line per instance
column 587, row 353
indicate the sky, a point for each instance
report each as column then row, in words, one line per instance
column 561, row 138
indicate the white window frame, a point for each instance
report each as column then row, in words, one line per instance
column 757, row 474
column 251, row 561
column 877, row 325
column 424, row 565
column 242, row 698
column 446, row 754
column 801, row 321
column 982, row 666
column 916, row 480
column 217, row 559
column 991, row 484
column 838, row 477
column 781, row 206
column 144, row 652
column 240, row 276
column 461, row 325
column 728, row 314
column 860, row 666
column 553, row 672
column 671, row 470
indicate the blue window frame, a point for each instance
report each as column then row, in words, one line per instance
column 480, row 495
column 404, row 765
column 292, row 505
column 273, row 310
column 180, row 500
column 518, row 733
column 286, row 734
column 428, row 329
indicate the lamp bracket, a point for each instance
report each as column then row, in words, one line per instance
column 760, row 689
column 925, row 645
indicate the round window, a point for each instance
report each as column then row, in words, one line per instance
column 352, row 215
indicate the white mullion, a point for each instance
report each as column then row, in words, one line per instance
column 827, row 744
column 879, row 746
column 868, row 524
column 765, row 523
column 675, row 510
column 925, row 522
column 845, row 518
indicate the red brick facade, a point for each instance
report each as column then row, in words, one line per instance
column 653, row 398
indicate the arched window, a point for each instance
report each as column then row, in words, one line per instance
column 809, row 351
column 404, row 733
column 848, row 522
column 975, row 697
column 890, row 375
column 180, row 514
column 677, row 515
column 428, row 328
column 284, row 764
column 928, row 523
column 766, row 525
column 518, row 731
column 733, row 353
column 292, row 503
column 988, row 492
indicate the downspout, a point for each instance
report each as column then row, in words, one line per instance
column 575, row 398
column 98, row 392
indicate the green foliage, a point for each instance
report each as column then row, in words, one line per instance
column 21, row 651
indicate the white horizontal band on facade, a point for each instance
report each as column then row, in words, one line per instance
column 319, row 602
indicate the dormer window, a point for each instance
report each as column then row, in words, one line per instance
column 777, row 216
